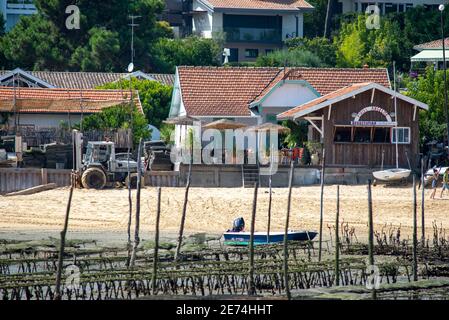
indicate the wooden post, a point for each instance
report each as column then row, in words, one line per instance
column 415, row 233
column 287, row 220
column 337, row 240
column 323, row 166
column 130, row 200
column 156, row 242
column 252, row 287
column 269, row 209
column 183, row 216
column 44, row 176
column 371, row 233
column 137, row 224
column 423, row 226
column 62, row 246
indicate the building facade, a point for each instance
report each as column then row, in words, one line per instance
column 12, row 10
column 249, row 28
column 386, row 6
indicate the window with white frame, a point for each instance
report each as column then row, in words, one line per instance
column 403, row 135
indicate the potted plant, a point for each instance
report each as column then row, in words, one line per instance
column 314, row 149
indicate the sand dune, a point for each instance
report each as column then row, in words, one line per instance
column 213, row 210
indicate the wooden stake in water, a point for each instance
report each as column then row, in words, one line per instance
column 287, row 221
column 137, row 223
column 320, row 245
column 337, row 240
column 62, row 245
column 156, row 242
column 269, row 209
column 415, row 233
column 252, row 286
column 184, row 212
column 423, row 226
column 371, row 234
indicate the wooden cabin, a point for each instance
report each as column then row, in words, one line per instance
column 358, row 126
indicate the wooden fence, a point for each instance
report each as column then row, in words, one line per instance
column 35, row 137
column 15, row 179
column 12, row 179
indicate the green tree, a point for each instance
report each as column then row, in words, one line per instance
column 429, row 88
column 314, row 20
column 357, row 45
column 103, row 42
column 192, row 51
column 323, row 48
column 118, row 117
column 154, row 96
column 294, row 58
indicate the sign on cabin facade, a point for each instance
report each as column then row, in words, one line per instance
column 358, row 126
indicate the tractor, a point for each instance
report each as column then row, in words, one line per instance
column 102, row 166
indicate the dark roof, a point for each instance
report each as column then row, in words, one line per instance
column 88, row 80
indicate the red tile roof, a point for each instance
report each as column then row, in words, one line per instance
column 228, row 91
column 308, row 105
column 341, row 94
column 261, row 4
column 37, row 100
column 435, row 44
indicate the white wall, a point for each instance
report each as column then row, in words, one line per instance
column 289, row 95
column 45, row 120
column 289, row 25
column 202, row 20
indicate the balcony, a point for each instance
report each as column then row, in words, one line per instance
column 261, row 35
column 20, row 7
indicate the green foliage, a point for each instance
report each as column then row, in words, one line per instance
column 323, row 48
column 118, row 117
column 297, row 135
column 357, row 45
column 103, row 42
column 429, row 88
column 192, row 51
column 314, row 20
column 154, row 96
column 167, row 131
column 296, row 57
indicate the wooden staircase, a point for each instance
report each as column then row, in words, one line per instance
column 250, row 175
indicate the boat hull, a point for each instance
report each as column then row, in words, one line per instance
column 243, row 238
column 392, row 174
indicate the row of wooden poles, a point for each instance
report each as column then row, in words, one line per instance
column 132, row 250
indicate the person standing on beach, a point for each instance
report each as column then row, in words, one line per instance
column 436, row 174
column 445, row 182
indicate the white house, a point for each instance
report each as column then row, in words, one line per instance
column 386, row 6
column 256, row 95
column 250, row 27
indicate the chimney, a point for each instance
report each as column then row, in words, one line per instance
column 365, row 66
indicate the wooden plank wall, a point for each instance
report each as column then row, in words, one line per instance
column 162, row 179
column 12, row 179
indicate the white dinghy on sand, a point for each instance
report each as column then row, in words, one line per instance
column 396, row 174
column 392, row 174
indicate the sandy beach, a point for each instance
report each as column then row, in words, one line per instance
column 213, row 210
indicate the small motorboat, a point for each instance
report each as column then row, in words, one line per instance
column 243, row 238
column 392, row 174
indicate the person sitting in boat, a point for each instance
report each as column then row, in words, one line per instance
column 436, row 174
column 238, row 225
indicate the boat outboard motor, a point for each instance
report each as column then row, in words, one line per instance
column 238, row 225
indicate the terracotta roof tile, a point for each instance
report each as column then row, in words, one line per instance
column 37, row 100
column 435, row 44
column 261, row 4
column 340, row 92
column 228, row 91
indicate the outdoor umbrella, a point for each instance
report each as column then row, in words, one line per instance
column 224, row 124
column 264, row 128
column 182, row 120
